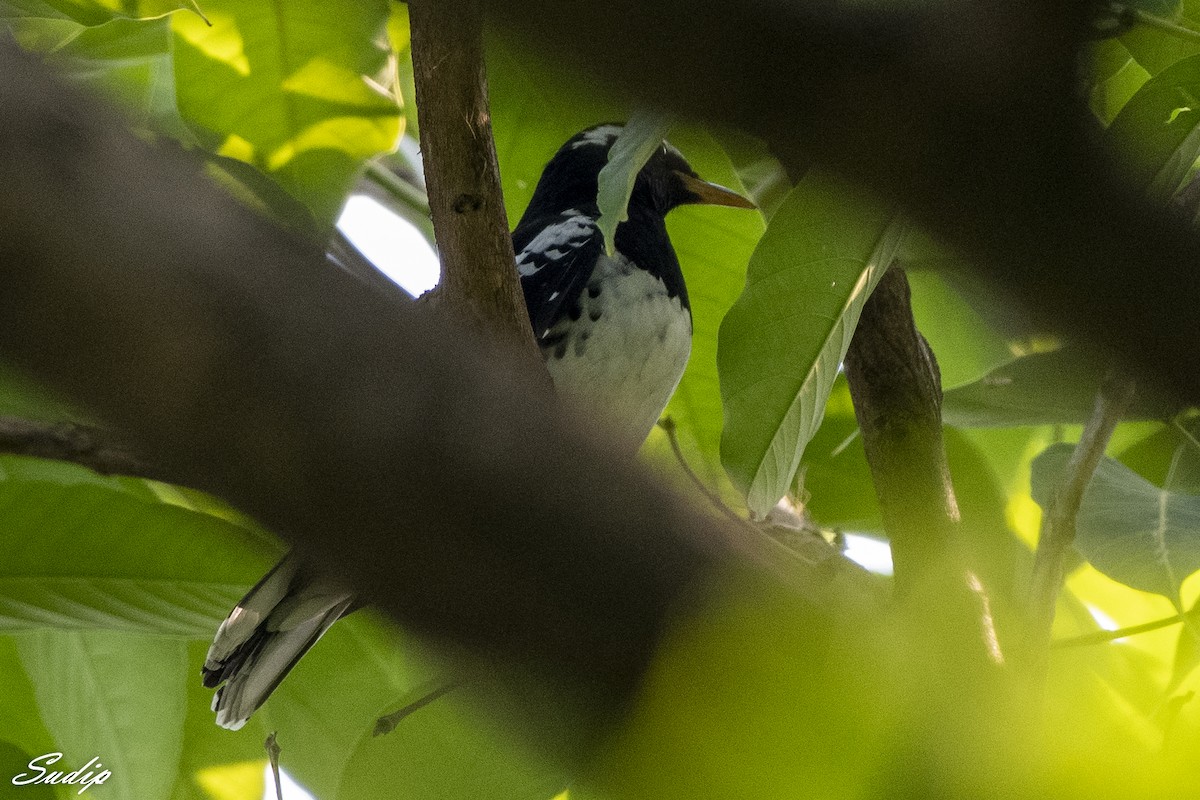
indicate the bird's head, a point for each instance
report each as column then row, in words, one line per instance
column 665, row 182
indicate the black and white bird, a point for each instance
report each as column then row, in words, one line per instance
column 615, row 332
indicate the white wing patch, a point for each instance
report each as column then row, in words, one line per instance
column 555, row 241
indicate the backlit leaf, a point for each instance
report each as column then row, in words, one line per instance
column 302, row 90
column 782, row 343
column 640, row 137
column 1131, row 530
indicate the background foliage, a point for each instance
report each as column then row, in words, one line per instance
column 111, row 587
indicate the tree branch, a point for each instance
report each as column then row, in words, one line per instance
column 479, row 275
column 1058, row 521
column 86, row 445
column 897, row 394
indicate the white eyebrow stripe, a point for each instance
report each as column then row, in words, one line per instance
column 601, row 135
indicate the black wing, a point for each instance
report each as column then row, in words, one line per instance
column 556, row 254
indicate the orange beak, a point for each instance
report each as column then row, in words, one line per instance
column 710, row 194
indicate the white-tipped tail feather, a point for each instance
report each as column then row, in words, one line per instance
column 264, row 636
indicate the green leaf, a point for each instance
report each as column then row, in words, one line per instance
column 90, row 13
column 1131, row 530
column 1113, row 94
column 1053, row 388
column 23, row 725
column 642, row 135
column 132, row 62
column 1156, row 49
column 98, row 12
column 114, row 696
column 215, row 764
column 36, row 26
column 782, row 343
column 445, row 750
column 23, row 398
column 14, row 764
column 86, row 556
column 302, row 90
column 965, row 345
column 1159, row 129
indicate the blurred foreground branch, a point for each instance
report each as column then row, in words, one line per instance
column 967, row 114
column 86, row 445
column 1058, row 521
column 370, row 431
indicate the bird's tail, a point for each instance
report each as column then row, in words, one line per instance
column 265, row 635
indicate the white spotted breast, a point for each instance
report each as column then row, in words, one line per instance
column 620, row 352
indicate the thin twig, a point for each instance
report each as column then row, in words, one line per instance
column 388, row 723
column 1103, row 637
column 87, row 445
column 412, row 198
column 273, row 751
column 668, row 425
column 1058, row 522
column 1162, row 24
column 1187, row 435
column 345, row 255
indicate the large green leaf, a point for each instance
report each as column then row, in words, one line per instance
column 98, row 555
column 93, row 12
column 132, row 62
column 965, row 345
column 333, row 697
column 38, row 26
column 98, row 12
column 302, row 90
column 115, row 696
column 23, row 728
column 782, row 343
column 1042, row 389
column 1131, row 530
column 1155, row 49
column 1117, row 76
column 124, row 59
column 1158, row 130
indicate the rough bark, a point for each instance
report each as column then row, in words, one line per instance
column 479, row 277
column 897, row 395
